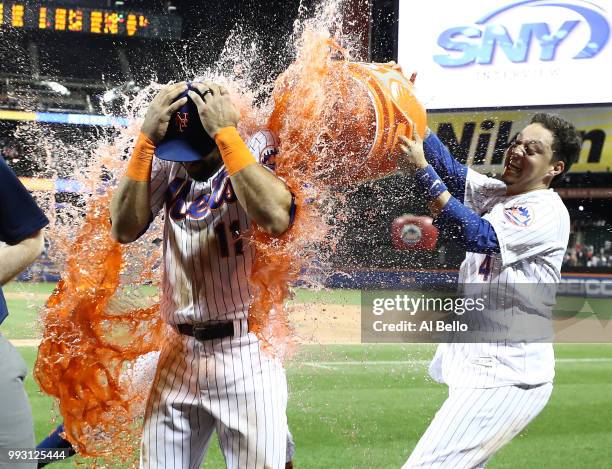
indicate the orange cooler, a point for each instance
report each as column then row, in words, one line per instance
column 378, row 105
column 397, row 113
column 346, row 120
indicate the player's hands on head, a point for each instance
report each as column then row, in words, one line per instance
column 412, row 156
column 215, row 107
column 161, row 109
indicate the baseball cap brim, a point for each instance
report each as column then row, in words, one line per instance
column 177, row 150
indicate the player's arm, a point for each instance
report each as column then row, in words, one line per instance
column 131, row 204
column 470, row 230
column 453, row 173
column 21, row 223
column 14, row 259
column 265, row 198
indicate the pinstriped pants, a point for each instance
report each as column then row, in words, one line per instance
column 473, row 424
column 228, row 385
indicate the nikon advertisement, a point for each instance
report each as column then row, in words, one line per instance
column 480, row 138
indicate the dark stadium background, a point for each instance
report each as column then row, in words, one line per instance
column 89, row 65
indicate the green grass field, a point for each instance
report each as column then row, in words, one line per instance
column 365, row 406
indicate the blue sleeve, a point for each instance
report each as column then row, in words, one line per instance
column 3, row 308
column 55, row 441
column 20, row 217
column 448, row 168
column 470, row 231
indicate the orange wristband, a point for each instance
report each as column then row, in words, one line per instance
column 139, row 166
column 235, row 153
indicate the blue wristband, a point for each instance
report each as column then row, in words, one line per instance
column 430, row 182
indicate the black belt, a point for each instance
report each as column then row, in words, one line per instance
column 208, row 330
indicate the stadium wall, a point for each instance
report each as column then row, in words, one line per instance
column 572, row 284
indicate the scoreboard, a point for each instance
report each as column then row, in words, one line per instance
column 99, row 21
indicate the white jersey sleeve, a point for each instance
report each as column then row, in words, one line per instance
column 482, row 192
column 532, row 226
column 159, row 184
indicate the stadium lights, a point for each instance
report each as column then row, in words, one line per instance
column 58, row 88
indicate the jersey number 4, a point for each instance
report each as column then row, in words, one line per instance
column 485, row 268
column 224, row 240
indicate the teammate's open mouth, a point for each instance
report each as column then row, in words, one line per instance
column 513, row 166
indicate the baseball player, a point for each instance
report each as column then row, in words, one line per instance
column 212, row 374
column 515, row 232
column 21, row 224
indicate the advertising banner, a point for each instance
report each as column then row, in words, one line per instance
column 507, row 52
column 481, row 137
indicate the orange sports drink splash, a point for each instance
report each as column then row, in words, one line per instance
column 339, row 123
column 91, row 340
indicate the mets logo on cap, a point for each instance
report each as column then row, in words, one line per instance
column 181, row 121
column 519, row 215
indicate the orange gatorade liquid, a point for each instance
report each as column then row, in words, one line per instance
column 88, row 345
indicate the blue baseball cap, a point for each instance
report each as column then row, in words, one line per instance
column 185, row 140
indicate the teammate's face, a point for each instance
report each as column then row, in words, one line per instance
column 529, row 161
column 202, row 170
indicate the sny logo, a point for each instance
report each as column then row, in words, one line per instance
column 477, row 43
column 182, row 120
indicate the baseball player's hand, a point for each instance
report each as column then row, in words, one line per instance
column 412, row 156
column 161, row 109
column 215, row 107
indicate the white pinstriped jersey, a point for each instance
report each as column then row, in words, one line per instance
column 207, row 257
column 533, row 232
